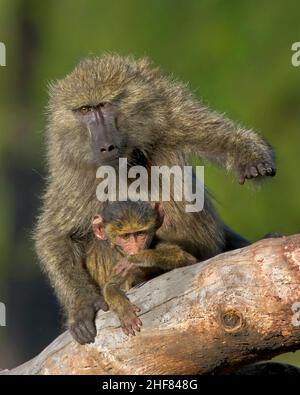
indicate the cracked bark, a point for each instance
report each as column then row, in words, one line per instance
column 212, row 317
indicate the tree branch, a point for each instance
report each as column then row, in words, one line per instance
column 212, row 317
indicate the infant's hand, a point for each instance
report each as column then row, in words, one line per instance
column 130, row 323
column 124, row 267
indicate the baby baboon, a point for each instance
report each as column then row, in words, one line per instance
column 112, row 107
column 137, row 254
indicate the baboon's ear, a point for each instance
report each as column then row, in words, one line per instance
column 160, row 214
column 98, row 227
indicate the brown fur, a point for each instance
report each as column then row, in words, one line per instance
column 120, row 271
column 164, row 123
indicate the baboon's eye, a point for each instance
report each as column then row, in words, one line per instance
column 85, row 109
column 141, row 233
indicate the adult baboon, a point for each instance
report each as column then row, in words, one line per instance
column 112, row 107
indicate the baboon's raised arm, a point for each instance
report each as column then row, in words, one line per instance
column 194, row 128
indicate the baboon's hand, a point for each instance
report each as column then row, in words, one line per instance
column 124, row 267
column 82, row 325
column 257, row 169
column 129, row 320
column 100, row 304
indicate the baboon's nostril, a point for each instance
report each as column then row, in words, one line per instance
column 108, row 148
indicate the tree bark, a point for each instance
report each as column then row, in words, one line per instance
column 213, row 317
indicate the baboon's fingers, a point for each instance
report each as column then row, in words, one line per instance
column 253, row 171
column 130, row 323
column 129, row 328
column 100, row 304
column 257, row 169
column 136, row 327
column 85, row 333
column 90, row 327
column 137, row 324
column 76, row 335
column 125, row 330
column 124, row 272
column 83, row 327
column 79, row 335
column 135, row 308
column 126, row 269
column 261, row 168
column 122, row 269
column 117, row 269
column 270, row 170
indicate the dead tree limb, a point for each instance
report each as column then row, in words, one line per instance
column 215, row 316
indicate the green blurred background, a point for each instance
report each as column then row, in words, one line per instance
column 235, row 54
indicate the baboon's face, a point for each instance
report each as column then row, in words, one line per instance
column 101, row 123
column 103, row 111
